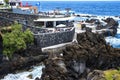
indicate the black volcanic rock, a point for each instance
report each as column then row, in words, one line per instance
column 80, row 59
column 97, row 52
column 92, row 20
column 1, row 48
column 18, row 63
column 111, row 22
column 22, row 60
column 32, row 50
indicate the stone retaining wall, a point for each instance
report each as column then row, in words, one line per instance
column 23, row 18
column 49, row 39
column 42, row 39
column 5, row 22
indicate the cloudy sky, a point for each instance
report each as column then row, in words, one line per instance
column 70, row 0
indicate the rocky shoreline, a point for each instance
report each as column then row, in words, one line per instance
column 21, row 60
column 83, row 60
column 106, row 26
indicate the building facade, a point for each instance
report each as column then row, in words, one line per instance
column 14, row 3
column 2, row 2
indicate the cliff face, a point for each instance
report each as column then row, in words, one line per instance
column 93, row 49
column 80, row 59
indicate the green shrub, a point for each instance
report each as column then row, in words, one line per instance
column 6, row 1
column 112, row 75
column 28, row 37
column 16, row 40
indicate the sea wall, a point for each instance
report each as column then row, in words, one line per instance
column 49, row 39
column 26, row 19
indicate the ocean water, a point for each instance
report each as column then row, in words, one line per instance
column 111, row 8
column 35, row 72
column 99, row 8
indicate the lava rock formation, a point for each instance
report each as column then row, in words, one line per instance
column 79, row 60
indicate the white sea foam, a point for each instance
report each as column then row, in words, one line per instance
column 115, row 42
column 36, row 72
column 118, row 30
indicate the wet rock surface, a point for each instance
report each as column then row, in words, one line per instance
column 109, row 23
column 21, row 60
column 81, row 60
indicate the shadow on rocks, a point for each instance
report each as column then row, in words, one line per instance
column 79, row 60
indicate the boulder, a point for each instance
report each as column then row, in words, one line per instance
column 111, row 24
column 30, row 76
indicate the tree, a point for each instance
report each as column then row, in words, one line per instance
column 6, row 1
column 28, row 37
column 16, row 40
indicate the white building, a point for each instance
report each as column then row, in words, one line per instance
column 14, row 3
column 2, row 2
